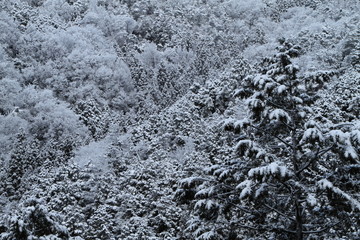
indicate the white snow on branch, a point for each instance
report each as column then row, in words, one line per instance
column 254, row 103
column 280, row 115
column 242, row 123
column 311, row 200
column 281, row 89
column 249, row 148
column 297, row 100
column 207, row 235
column 260, row 81
column 246, row 188
column 188, row 182
column 312, row 134
column 242, row 144
column 207, row 204
column 350, row 152
column 205, row 192
column 235, row 124
column 355, row 137
column 273, row 169
column 339, row 136
column 311, row 124
column 269, row 86
column 325, row 184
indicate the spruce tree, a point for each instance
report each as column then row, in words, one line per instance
column 293, row 174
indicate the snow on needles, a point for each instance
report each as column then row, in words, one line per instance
column 273, row 169
column 280, row 115
column 325, row 184
column 312, row 134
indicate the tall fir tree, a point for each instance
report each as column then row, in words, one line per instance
column 293, row 175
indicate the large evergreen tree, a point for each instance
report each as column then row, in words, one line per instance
column 293, row 174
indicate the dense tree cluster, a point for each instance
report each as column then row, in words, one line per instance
column 288, row 174
column 205, row 119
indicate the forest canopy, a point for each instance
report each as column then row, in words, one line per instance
column 179, row 119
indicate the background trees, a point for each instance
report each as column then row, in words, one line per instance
column 152, row 91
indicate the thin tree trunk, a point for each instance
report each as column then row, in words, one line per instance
column 299, row 220
column 298, row 207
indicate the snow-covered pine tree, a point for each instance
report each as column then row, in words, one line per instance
column 351, row 48
column 216, row 95
column 293, row 176
column 24, row 158
column 33, row 220
column 95, row 117
column 355, row 55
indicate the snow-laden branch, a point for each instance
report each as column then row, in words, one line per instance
column 325, row 184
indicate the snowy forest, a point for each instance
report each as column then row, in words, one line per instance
column 179, row 119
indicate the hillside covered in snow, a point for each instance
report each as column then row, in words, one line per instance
column 179, row 119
